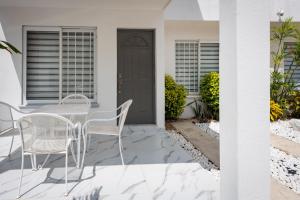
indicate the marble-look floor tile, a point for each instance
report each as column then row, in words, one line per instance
column 126, row 197
column 180, row 181
column 156, row 168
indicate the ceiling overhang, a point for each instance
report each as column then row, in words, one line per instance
column 101, row 4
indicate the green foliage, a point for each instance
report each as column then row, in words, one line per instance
column 283, row 88
column 293, row 105
column 175, row 95
column 8, row 47
column 275, row 111
column 278, row 35
column 209, row 92
column 280, row 89
column 200, row 110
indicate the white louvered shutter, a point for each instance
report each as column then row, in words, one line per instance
column 288, row 63
column 78, row 62
column 209, row 58
column 42, row 61
column 187, row 64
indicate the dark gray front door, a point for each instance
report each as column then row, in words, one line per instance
column 136, row 79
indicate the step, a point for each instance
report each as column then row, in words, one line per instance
column 206, row 144
column 285, row 145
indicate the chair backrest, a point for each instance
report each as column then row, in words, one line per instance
column 123, row 114
column 76, row 99
column 6, row 118
column 45, row 133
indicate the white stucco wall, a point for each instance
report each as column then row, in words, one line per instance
column 107, row 22
column 186, row 30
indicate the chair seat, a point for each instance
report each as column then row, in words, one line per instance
column 44, row 146
column 102, row 129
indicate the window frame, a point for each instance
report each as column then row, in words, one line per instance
column 200, row 41
column 59, row 29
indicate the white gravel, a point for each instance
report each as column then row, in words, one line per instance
column 195, row 153
column 285, row 168
column 289, row 129
column 212, row 128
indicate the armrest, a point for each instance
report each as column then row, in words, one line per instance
column 100, row 120
column 19, row 111
column 6, row 120
column 93, row 114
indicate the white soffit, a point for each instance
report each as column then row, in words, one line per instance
column 102, row 4
column 208, row 10
column 193, row 10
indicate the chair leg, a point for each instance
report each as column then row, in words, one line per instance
column 120, row 148
column 21, row 177
column 44, row 163
column 84, row 150
column 33, row 162
column 73, row 153
column 11, row 145
column 66, row 174
column 78, row 147
column 88, row 142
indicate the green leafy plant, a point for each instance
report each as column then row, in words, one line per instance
column 282, row 84
column 209, row 92
column 8, row 47
column 200, row 110
column 278, row 35
column 175, row 95
column 293, row 105
column 275, row 111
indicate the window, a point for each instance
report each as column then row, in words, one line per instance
column 187, row 64
column 209, row 58
column 289, row 64
column 58, row 61
column 194, row 59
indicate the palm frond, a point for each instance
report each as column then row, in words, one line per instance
column 8, row 47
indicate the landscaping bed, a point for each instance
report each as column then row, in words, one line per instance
column 285, row 168
column 192, row 151
column 289, row 129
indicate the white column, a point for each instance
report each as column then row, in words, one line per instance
column 244, row 99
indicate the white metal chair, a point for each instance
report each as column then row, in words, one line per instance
column 110, row 126
column 76, row 99
column 7, row 122
column 45, row 134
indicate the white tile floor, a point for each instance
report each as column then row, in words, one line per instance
column 156, row 168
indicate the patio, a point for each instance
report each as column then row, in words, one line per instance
column 156, row 168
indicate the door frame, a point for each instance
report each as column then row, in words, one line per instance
column 153, row 31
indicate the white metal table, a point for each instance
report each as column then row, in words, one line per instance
column 67, row 110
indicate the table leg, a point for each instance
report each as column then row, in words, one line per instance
column 78, row 146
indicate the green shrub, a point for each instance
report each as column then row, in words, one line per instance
column 200, row 110
column 175, row 95
column 209, row 92
column 293, row 104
